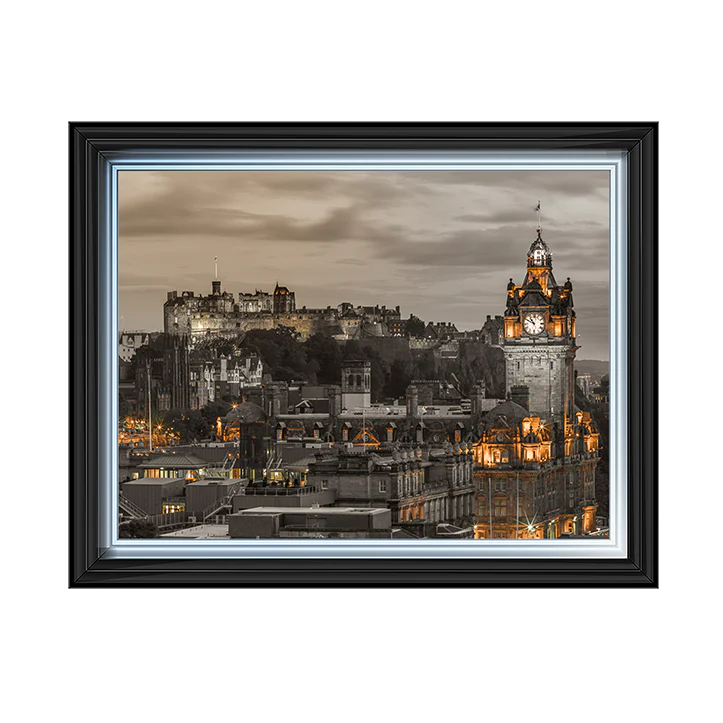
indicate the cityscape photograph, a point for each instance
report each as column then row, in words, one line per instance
column 399, row 355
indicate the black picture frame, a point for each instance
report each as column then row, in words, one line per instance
column 90, row 145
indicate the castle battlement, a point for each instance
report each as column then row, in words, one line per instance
column 221, row 314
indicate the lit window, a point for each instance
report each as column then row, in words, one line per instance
column 382, row 485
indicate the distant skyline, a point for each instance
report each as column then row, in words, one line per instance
column 440, row 244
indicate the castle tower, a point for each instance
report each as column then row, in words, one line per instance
column 284, row 300
column 356, row 384
column 539, row 338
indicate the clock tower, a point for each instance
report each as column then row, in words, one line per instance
column 539, row 338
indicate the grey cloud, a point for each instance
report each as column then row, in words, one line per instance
column 440, row 244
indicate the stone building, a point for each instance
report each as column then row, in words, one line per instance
column 211, row 378
column 422, row 486
column 129, row 342
column 537, row 453
column 284, row 300
column 493, row 330
column 220, row 314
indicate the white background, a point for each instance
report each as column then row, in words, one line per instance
column 336, row 655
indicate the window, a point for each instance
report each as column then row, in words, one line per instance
column 382, row 485
column 501, row 508
column 325, row 484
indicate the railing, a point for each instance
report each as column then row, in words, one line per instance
column 218, row 505
column 171, row 519
column 278, row 491
column 130, row 507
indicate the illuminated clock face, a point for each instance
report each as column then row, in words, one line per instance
column 534, row 323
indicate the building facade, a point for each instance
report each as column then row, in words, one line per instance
column 202, row 317
column 537, row 453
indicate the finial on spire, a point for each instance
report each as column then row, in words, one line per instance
column 539, row 221
column 215, row 268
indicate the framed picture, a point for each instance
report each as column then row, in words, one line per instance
column 363, row 355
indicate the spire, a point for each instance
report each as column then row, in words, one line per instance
column 539, row 255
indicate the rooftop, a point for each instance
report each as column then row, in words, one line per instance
column 200, row 532
column 152, row 481
column 313, row 511
column 173, row 461
column 210, row 481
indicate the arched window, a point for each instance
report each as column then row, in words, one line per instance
column 350, row 381
column 358, row 380
column 500, row 507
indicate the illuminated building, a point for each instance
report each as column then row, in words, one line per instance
column 537, row 453
column 284, row 300
column 221, row 314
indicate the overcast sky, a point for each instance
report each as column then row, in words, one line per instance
column 442, row 245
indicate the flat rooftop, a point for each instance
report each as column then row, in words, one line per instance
column 200, row 532
column 211, row 481
column 152, row 481
column 313, row 511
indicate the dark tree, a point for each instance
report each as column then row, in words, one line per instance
column 324, row 352
column 281, row 353
column 137, row 529
column 400, row 376
column 190, row 424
